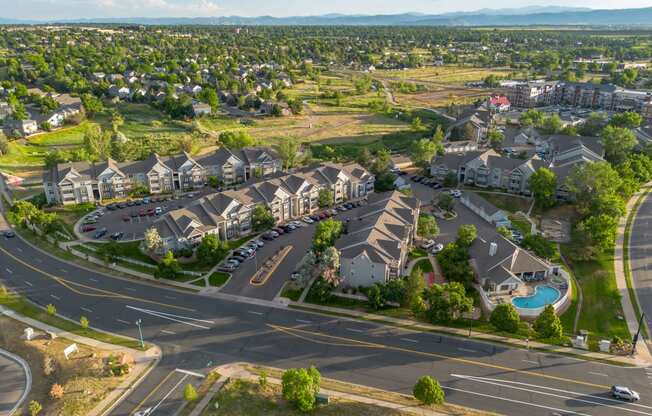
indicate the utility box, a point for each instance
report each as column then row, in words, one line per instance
column 321, row 398
column 605, row 345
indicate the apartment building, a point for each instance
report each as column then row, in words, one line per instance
column 79, row 182
column 228, row 214
column 375, row 247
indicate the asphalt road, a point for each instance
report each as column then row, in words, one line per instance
column 197, row 333
column 641, row 256
column 12, row 384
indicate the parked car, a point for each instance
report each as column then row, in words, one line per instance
column 278, row 230
column 455, row 193
column 624, row 393
column 158, row 210
column 307, row 220
column 100, row 233
column 117, row 236
column 228, row 267
column 88, row 228
column 146, row 200
column 437, row 248
column 112, row 207
column 131, row 203
column 126, row 218
column 241, row 259
column 314, row 217
column 151, row 212
column 9, row 234
column 427, row 244
column 138, row 202
column 259, row 243
column 268, row 236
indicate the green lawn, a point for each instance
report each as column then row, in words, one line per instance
column 521, row 224
column 66, row 136
column 424, row 265
column 601, row 308
column 507, row 203
column 129, row 249
column 218, row 279
column 21, row 306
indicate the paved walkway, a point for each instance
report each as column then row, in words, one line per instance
column 144, row 361
column 16, row 382
column 642, row 351
column 639, row 360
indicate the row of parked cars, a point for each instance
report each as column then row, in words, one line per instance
column 433, row 183
column 146, row 200
column 240, row 255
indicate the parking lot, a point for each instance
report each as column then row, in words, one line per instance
column 134, row 217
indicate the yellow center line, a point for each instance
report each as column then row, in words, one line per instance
column 342, row 341
column 100, row 292
column 151, row 393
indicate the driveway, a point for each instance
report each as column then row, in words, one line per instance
column 16, row 382
column 128, row 221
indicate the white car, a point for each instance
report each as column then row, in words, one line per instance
column 427, row 244
column 437, row 248
column 455, row 193
column 307, row 220
column 624, row 393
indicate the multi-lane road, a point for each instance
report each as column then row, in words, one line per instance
column 198, row 332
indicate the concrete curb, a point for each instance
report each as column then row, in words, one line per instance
column 28, row 378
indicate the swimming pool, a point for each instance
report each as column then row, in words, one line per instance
column 543, row 295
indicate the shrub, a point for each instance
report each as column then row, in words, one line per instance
column 83, row 322
column 56, row 392
column 51, row 309
column 189, row 393
column 300, row 386
column 49, row 365
column 428, row 391
column 548, row 325
column 34, row 408
column 505, row 318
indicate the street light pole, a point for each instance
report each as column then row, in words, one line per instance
column 638, row 333
column 140, row 332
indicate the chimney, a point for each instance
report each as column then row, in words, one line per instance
column 493, row 248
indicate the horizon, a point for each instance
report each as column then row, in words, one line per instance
column 55, row 10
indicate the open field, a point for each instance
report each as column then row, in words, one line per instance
column 446, row 75
column 83, row 377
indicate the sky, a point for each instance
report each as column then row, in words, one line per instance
column 70, row 9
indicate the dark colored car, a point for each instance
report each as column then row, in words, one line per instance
column 100, row 233
column 88, row 228
column 268, row 236
column 314, row 217
column 279, row 230
column 9, row 234
column 117, row 236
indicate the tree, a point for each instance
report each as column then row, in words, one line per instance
column 83, row 322
column 495, row 138
column 543, row 184
column 422, row 152
column 618, row 143
column 469, row 132
column 414, row 285
column 109, row 252
column 262, row 218
column 548, row 325
column 4, row 145
column 552, row 124
column 454, row 263
column 34, row 408
column 189, row 393
column 97, row 143
column 300, row 386
column 382, row 163
column 450, row 180
column 504, row 231
column 627, row 120
column 599, row 231
column 375, row 297
column 153, row 240
column 466, row 235
column 329, row 265
column 56, row 391
column 445, row 201
column 326, row 198
column 531, row 118
column 92, row 105
column 326, row 233
column 428, row 391
column 438, row 140
column 505, row 318
column 211, row 249
column 590, row 182
column 446, row 302
column 288, row 150
column 236, row 139
column 168, row 268
column 427, row 226
column 539, row 245
column 364, row 157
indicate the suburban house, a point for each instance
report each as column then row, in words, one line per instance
column 499, row 103
column 200, row 109
column 22, row 127
column 374, row 247
column 473, row 126
column 485, row 209
column 228, row 214
column 240, row 165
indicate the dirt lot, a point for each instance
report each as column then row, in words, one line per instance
column 83, row 377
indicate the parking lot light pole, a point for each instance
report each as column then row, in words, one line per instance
column 140, row 332
column 638, row 333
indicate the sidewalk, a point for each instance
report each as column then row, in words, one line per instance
column 639, row 360
column 144, row 361
column 642, row 350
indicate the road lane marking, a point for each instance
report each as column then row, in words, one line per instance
column 409, row 340
column 123, row 321
column 8, row 270
column 169, row 297
column 599, row 374
column 165, row 331
column 534, row 388
column 354, row 330
column 20, row 250
column 531, row 362
column 86, row 309
column 55, row 297
column 255, row 312
column 174, row 318
column 28, row 283
column 131, row 289
column 303, row 321
column 348, row 342
column 466, row 349
column 93, row 280
column 64, row 270
column 100, row 292
column 185, row 376
column 190, row 373
column 496, row 397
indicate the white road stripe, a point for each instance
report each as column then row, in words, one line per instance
column 38, row 260
column 86, row 309
column 123, row 321
column 130, row 289
column 55, row 297
column 190, row 373
column 466, row 350
column 599, row 374
column 409, row 340
column 20, row 250
column 531, row 362
column 173, row 318
column 168, row 393
column 170, row 297
column 28, row 283
column 8, row 270
column 303, row 321
column 255, row 313
column 354, row 330
column 64, row 270
column 165, row 331
column 93, row 280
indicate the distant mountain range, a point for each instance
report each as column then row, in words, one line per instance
column 527, row 16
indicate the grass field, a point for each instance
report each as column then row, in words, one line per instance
column 447, row 74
